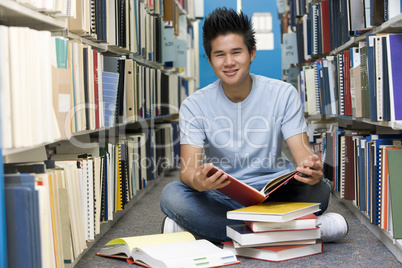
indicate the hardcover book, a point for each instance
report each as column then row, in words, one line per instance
column 247, row 195
column 395, row 184
column 278, row 253
column 304, row 222
column 274, row 211
column 245, row 236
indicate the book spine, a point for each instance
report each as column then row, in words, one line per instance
column 378, row 187
column 341, row 85
column 348, row 97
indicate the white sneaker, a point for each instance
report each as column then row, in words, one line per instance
column 333, row 227
column 170, row 226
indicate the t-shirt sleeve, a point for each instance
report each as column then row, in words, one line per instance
column 293, row 122
column 191, row 125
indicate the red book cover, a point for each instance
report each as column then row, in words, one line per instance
column 96, row 88
column 349, row 167
column 346, row 79
column 325, row 29
column 247, row 195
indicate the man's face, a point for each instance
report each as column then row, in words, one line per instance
column 231, row 60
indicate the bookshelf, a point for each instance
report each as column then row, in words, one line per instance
column 157, row 85
column 344, row 91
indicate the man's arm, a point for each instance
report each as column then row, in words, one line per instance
column 307, row 162
column 194, row 175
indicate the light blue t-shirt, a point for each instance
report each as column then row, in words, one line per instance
column 244, row 139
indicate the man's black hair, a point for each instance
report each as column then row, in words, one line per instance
column 223, row 21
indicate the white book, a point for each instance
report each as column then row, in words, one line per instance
column 276, row 253
column 91, row 89
column 88, row 190
column 394, row 62
column 72, row 180
column 37, row 87
column 342, row 168
column 97, row 178
column 5, row 89
column 111, row 22
column 379, row 76
column 45, row 221
column 111, row 181
column 310, row 91
column 394, row 8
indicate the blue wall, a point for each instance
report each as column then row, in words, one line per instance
column 266, row 62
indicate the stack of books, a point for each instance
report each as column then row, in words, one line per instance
column 275, row 231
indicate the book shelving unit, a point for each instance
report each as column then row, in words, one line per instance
column 13, row 13
column 306, row 17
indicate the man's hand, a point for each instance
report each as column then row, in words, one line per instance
column 202, row 182
column 312, row 168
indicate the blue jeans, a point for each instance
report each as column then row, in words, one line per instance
column 204, row 213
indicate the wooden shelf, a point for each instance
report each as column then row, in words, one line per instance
column 14, row 14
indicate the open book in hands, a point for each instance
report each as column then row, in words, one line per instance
column 168, row 250
column 247, row 195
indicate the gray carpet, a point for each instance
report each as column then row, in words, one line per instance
column 360, row 248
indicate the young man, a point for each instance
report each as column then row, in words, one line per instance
column 238, row 124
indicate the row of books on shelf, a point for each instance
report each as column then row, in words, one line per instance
column 68, row 87
column 322, row 26
column 54, row 208
column 118, row 23
column 136, row 27
column 362, row 82
column 365, row 169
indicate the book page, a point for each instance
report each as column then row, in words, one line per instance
column 184, row 254
column 156, row 239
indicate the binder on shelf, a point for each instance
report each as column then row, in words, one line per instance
column 394, row 167
column 386, row 197
column 379, row 77
column 129, row 96
column 365, row 87
column 386, row 94
column 110, row 84
column 22, row 220
column 394, row 47
column 370, row 40
column 88, row 197
column 325, row 26
column 3, row 221
column 360, row 172
column 346, row 81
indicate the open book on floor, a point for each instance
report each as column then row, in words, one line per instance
column 277, row 253
column 247, row 195
column 168, row 250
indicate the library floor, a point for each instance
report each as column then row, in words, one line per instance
column 360, row 248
